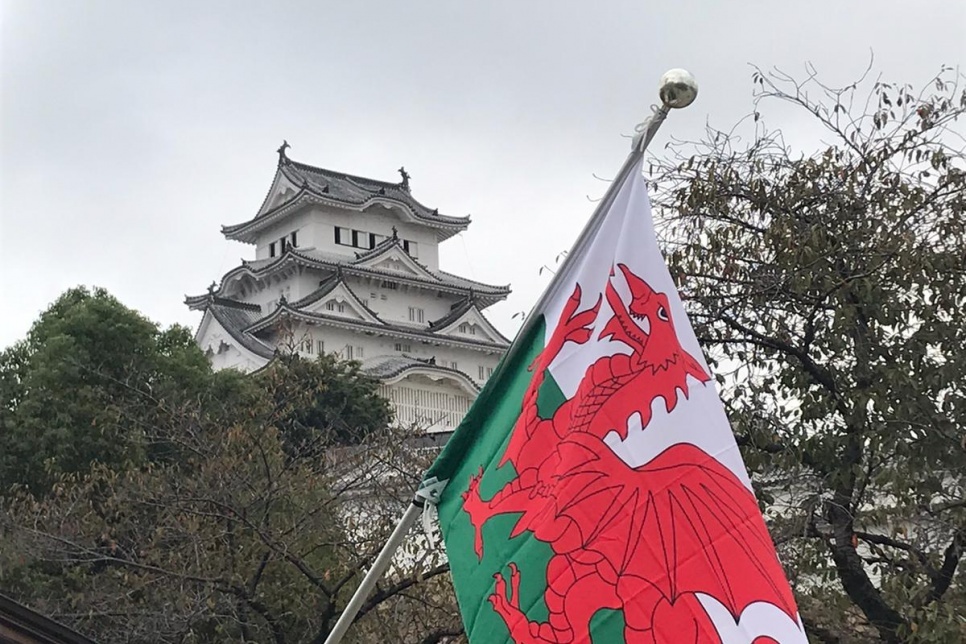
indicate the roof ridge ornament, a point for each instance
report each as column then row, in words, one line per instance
column 405, row 178
column 282, row 157
column 395, row 233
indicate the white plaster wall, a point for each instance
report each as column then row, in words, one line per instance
column 432, row 405
column 296, row 283
column 305, row 283
column 269, row 292
column 307, row 223
column 223, row 350
column 315, row 226
column 428, row 243
column 466, row 360
column 393, row 305
column 233, row 358
column 335, row 340
column 377, row 220
column 395, row 309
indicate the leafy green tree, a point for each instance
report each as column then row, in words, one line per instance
column 829, row 290
column 168, row 503
column 238, row 542
column 323, row 401
column 73, row 392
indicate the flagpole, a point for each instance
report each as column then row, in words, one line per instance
column 677, row 89
column 378, row 568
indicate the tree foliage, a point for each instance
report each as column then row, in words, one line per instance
column 202, row 506
column 84, row 385
column 323, row 401
column 828, row 289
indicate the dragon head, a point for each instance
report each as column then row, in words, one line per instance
column 646, row 325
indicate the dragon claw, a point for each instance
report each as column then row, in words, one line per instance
column 507, row 606
column 573, row 303
column 577, row 326
column 474, row 506
column 515, row 583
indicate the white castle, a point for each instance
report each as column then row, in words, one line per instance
column 350, row 265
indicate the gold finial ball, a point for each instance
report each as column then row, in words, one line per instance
column 678, row 88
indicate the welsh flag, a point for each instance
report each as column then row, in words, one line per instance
column 595, row 492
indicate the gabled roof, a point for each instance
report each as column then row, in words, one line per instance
column 297, row 184
column 335, row 288
column 486, row 294
column 244, row 321
column 379, row 248
column 234, row 317
column 286, row 310
column 469, row 312
column 390, row 256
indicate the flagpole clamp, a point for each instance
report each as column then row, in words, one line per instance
column 427, row 497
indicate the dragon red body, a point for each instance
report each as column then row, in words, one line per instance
column 646, row 540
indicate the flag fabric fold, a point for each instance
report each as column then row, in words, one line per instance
column 595, row 492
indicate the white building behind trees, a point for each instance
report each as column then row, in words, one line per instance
column 350, row 265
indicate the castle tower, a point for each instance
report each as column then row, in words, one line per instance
column 350, row 265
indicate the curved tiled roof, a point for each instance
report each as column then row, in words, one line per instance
column 394, row 244
column 235, row 317
column 380, row 248
column 200, row 301
column 357, row 189
column 385, row 367
column 338, row 188
column 461, row 308
column 365, row 326
column 486, row 293
column 328, row 285
column 471, row 284
column 237, row 320
column 454, row 314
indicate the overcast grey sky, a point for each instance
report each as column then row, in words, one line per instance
column 131, row 131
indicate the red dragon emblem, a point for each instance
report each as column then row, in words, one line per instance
column 645, row 540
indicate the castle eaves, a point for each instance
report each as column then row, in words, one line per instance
column 330, row 187
column 380, row 328
column 486, row 294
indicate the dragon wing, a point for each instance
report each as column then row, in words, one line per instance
column 682, row 521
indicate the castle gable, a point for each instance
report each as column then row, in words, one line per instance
column 335, row 298
column 467, row 322
column 393, row 259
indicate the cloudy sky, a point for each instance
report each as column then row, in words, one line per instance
column 131, row 131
